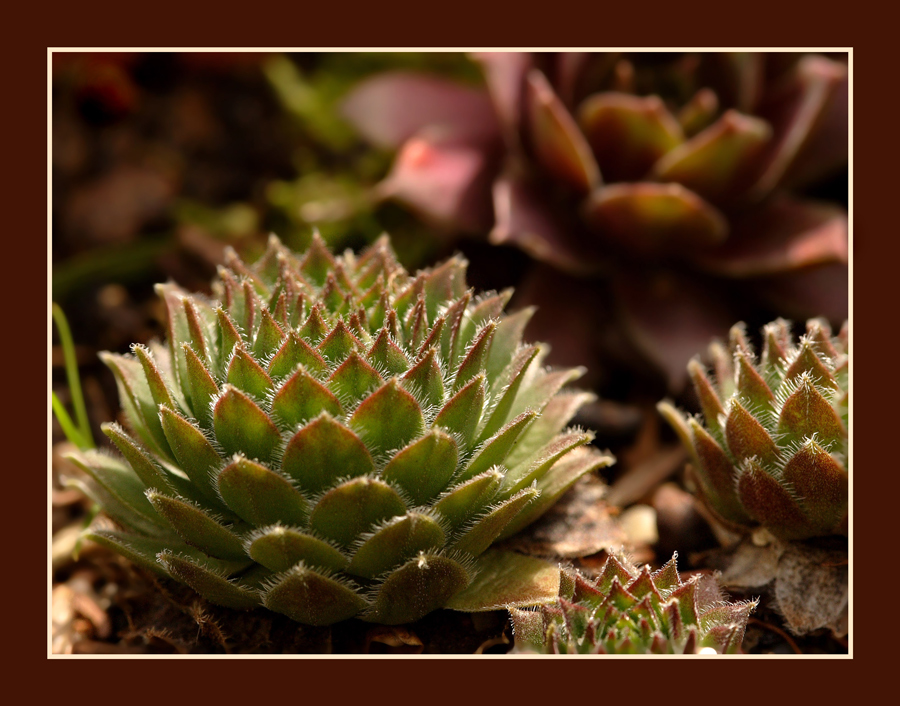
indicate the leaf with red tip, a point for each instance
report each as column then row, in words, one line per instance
column 338, row 344
column 311, row 598
column 387, row 355
column 628, row 133
column 807, row 362
column 199, row 387
column 424, row 379
column 228, row 336
column 558, row 142
column 706, row 393
column 247, row 375
column 279, row 548
column 750, row 384
column 294, row 352
column 318, row 261
column 303, row 397
column 648, row 219
column 424, row 468
column 395, row 542
column 261, row 496
column 242, row 427
column 476, row 357
column 323, row 451
column 353, row 507
column 462, row 413
column 388, row 418
column 268, row 337
column 720, row 161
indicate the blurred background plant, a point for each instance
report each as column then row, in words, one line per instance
column 645, row 202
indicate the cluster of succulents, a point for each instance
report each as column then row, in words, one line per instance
column 333, row 437
column 773, row 451
column 673, row 179
column 627, row 610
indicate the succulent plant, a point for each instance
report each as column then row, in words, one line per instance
column 671, row 180
column 626, row 610
column 333, row 437
column 773, row 451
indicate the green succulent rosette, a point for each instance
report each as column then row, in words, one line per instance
column 773, row 451
column 332, row 437
column 627, row 610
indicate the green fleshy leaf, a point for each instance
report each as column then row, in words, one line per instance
column 196, row 527
column 486, row 529
column 476, row 357
column 247, row 375
column 389, row 418
column 561, row 476
column 397, row 540
column 339, row 343
column 201, row 389
column 242, row 427
column 505, row 579
column 261, row 496
column 387, row 355
column 315, row 328
column 302, row 398
column 353, row 507
column 318, row 261
column 137, row 401
column 294, row 352
column 323, row 451
column 533, row 470
column 279, row 548
column 450, row 344
column 516, row 374
column 209, row 583
column 420, row 586
column 538, row 392
column 311, row 598
column 138, row 550
column 158, row 388
column 228, row 337
column 425, row 381
column 150, row 473
column 354, row 379
column 424, row 468
column 495, row 450
column 751, row 385
column 268, row 337
column 556, row 415
column 130, row 506
column 196, row 328
column 465, row 500
column 462, row 413
column 507, row 339
column 193, row 451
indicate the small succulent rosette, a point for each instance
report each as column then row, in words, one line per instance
column 772, row 448
column 626, row 610
column 332, row 437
